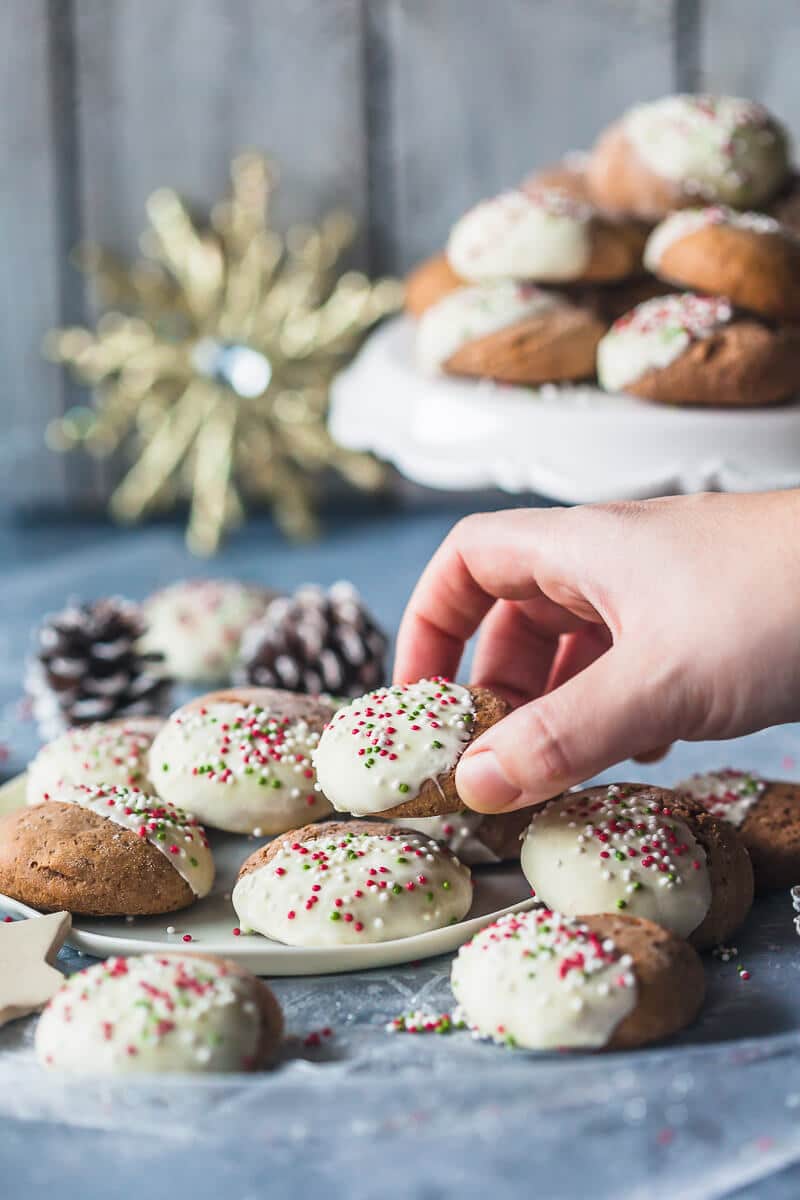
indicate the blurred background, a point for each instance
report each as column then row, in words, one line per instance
column 403, row 111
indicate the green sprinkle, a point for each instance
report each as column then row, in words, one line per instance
column 446, row 885
column 403, row 787
column 397, row 889
column 622, row 904
column 165, row 766
column 620, row 857
column 335, row 916
column 436, row 745
column 400, row 859
column 637, row 887
column 429, row 897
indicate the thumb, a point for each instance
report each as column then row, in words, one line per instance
column 610, row 711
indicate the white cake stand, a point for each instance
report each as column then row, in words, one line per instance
column 576, row 444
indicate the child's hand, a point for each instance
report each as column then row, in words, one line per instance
column 615, row 628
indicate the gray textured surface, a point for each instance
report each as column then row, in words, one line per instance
column 376, row 1115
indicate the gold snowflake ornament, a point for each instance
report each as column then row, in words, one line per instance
column 213, row 362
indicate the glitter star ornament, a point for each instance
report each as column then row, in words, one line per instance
column 212, row 361
column 28, row 950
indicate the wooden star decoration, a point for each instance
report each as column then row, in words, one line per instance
column 28, row 950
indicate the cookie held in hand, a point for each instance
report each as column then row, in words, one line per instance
column 350, row 883
column 241, row 759
column 510, row 332
column 747, row 257
column 543, row 235
column 543, row 981
column 394, row 751
column 156, row 1013
column 644, row 851
column 693, row 350
column 766, row 814
column 683, row 150
column 107, row 752
column 104, row 851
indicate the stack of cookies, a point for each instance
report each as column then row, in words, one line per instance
column 665, row 264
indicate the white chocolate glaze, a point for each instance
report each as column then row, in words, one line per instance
column 686, row 221
column 241, row 767
column 655, row 334
column 380, row 749
column 542, row 235
column 470, row 313
column 460, row 832
column 719, row 148
column 349, row 888
column 198, row 625
column 541, row 980
column 727, row 793
column 110, row 752
column 613, row 849
column 177, row 834
column 154, row 1012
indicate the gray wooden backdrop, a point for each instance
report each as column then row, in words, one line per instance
column 405, row 110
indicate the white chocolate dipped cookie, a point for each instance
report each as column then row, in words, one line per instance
column 509, row 331
column 766, row 812
column 104, row 851
column 542, row 235
column 242, row 759
column 746, row 256
column 693, row 350
column 684, row 149
column 159, row 1013
column 544, row 981
column 477, row 839
column 197, row 624
column 393, row 752
column 349, row 883
column 107, row 752
column 644, row 851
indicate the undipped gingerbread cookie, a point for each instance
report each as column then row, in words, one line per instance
column 160, row 1013
column 642, row 850
column 197, row 625
column 510, row 332
column 107, row 752
column 104, row 851
column 394, row 751
column 692, row 350
column 544, row 981
column 683, row 150
column 766, row 814
column 543, row 235
column 747, row 257
column 241, row 759
column 349, row 883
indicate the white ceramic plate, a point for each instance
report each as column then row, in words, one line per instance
column 576, row 444
column 210, row 922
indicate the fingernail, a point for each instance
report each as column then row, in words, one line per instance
column 481, row 784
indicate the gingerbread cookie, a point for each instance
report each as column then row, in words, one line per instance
column 104, row 851
column 568, row 175
column 242, row 759
column 689, row 349
column 747, row 257
column 160, row 1013
column 766, row 814
column 197, row 625
column 475, row 838
column 642, row 850
column 428, row 283
column 544, row 981
column 543, row 235
column 110, row 752
column 348, row 883
column 394, row 751
column 683, row 150
column 514, row 333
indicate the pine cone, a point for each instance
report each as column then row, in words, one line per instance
column 315, row 641
column 88, row 667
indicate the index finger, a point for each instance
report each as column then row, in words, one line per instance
column 484, row 558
